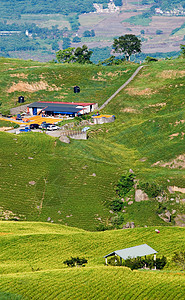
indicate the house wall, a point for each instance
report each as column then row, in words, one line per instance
column 104, row 120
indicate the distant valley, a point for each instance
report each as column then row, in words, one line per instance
column 37, row 31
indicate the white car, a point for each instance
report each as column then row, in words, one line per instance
column 52, row 127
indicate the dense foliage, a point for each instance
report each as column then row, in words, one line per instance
column 139, row 262
column 80, row 55
column 75, row 261
column 125, row 184
column 128, row 44
column 179, row 259
column 16, row 7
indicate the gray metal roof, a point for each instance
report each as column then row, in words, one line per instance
column 62, row 109
column 46, row 104
column 133, row 252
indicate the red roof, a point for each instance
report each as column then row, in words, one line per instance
column 72, row 103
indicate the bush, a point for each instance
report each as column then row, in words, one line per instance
column 139, row 263
column 75, row 261
column 117, row 220
column 151, row 189
column 116, row 205
column 150, row 59
column 179, row 259
column 125, row 184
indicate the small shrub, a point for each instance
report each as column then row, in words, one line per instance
column 75, row 261
column 150, row 59
column 116, row 205
column 179, row 259
column 125, row 184
column 117, row 220
column 151, row 189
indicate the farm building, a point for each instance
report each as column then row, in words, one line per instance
column 132, row 252
column 60, row 108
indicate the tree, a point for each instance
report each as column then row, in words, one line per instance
column 128, row 44
column 158, row 31
column 71, row 55
column 76, row 39
column 66, row 43
column 182, row 50
column 179, row 259
column 66, row 55
column 82, row 55
column 88, row 33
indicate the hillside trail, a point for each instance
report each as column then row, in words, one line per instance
column 121, row 87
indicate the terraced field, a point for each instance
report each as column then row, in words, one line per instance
column 32, row 256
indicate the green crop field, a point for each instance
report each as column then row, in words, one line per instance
column 32, row 256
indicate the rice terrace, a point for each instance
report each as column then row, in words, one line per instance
column 100, row 217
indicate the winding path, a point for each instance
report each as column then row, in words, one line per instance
column 121, row 87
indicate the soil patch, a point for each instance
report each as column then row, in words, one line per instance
column 34, row 87
column 178, row 162
column 170, row 74
column 137, row 92
column 129, row 110
column 19, row 75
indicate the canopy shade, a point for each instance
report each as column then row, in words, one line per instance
column 133, row 252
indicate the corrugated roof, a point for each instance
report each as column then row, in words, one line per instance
column 133, row 252
column 42, row 104
column 70, row 103
column 62, row 109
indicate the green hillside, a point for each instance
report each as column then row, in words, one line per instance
column 43, row 179
column 54, row 82
column 32, row 256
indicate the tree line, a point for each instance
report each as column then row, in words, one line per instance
column 18, row 7
column 127, row 45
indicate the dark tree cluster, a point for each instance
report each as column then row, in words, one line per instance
column 89, row 33
column 17, row 7
column 79, row 55
column 75, row 261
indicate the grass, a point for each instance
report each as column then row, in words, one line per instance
column 97, row 83
column 138, row 20
column 32, row 256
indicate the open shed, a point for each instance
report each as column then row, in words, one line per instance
column 132, row 252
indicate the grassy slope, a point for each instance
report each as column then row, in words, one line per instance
column 64, row 190
column 32, row 256
column 96, row 83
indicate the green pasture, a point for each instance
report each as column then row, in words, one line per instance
column 32, row 256
column 45, row 20
column 138, row 20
